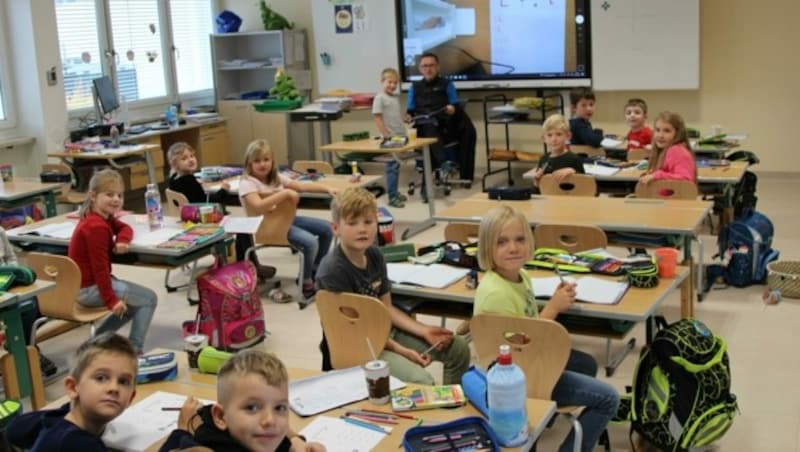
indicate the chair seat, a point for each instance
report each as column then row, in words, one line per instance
column 87, row 315
column 72, row 198
column 54, row 328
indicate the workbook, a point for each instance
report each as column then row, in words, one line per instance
column 427, row 397
column 589, row 290
column 437, row 276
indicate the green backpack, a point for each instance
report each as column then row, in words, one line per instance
column 681, row 399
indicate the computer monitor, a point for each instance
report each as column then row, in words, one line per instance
column 105, row 99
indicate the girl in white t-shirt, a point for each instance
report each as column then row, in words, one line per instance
column 261, row 189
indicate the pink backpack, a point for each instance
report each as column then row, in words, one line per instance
column 230, row 311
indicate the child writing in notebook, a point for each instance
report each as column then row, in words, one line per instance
column 251, row 412
column 357, row 266
column 100, row 387
column 505, row 243
column 261, row 189
column 99, row 234
column 640, row 135
column 389, row 119
column 582, row 102
column 183, row 164
column 671, row 157
column 559, row 161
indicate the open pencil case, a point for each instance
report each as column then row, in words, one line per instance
column 464, row 434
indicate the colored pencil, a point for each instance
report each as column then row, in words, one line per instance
column 380, row 420
column 364, row 424
column 404, row 416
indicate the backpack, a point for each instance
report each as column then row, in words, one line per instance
column 747, row 246
column 744, row 193
column 230, row 311
column 681, row 397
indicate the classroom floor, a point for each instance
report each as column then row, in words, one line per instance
column 764, row 363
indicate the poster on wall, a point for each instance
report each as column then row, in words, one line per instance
column 343, row 17
column 360, row 22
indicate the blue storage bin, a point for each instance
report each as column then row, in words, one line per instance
column 228, row 22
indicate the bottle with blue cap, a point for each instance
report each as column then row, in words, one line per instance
column 508, row 415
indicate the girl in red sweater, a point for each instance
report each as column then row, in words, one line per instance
column 98, row 234
column 671, row 157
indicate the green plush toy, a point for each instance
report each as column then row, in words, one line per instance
column 273, row 20
column 284, row 87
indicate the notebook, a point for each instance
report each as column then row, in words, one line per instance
column 437, row 276
column 589, row 290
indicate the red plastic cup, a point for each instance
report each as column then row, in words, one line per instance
column 667, row 259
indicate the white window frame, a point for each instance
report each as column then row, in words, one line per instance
column 6, row 80
column 168, row 49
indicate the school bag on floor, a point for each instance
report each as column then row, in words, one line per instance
column 230, row 311
column 681, row 399
column 746, row 246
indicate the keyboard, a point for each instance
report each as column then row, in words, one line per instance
column 136, row 130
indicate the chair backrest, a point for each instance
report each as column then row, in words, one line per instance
column 59, row 303
column 585, row 149
column 572, row 185
column 571, row 238
column 539, row 347
column 667, row 189
column 317, row 166
column 274, row 229
column 348, row 320
column 175, row 200
column 637, row 154
column 461, row 232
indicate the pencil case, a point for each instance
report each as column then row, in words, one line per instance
column 157, row 367
column 467, row 433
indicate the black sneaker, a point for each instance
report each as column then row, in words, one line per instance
column 48, row 367
column 265, row 271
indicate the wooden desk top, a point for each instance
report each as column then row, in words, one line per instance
column 190, row 125
column 371, row 145
column 22, row 187
column 109, row 153
column 636, row 305
column 610, row 214
column 204, row 386
column 707, row 175
column 39, row 286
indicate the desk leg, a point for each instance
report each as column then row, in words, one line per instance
column 15, row 343
column 687, row 286
column 427, row 174
column 50, row 204
column 328, row 157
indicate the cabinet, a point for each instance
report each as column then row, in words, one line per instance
column 499, row 111
column 214, row 146
column 247, row 62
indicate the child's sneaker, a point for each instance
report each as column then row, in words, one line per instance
column 396, row 202
column 402, row 197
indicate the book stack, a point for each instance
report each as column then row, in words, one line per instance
column 192, row 236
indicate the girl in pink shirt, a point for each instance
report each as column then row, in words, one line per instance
column 671, row 157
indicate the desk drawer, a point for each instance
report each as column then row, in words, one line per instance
column 140, row 180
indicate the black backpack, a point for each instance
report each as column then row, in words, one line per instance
column 744, row 193
column 681, row 399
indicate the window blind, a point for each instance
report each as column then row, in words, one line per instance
column 191, row 25
column 81, row 60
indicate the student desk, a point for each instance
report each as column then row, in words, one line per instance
column 336, row 181
column 370, row 145
column 24, row 190
column 15, row 340
column 637, row 305
column 651, row 216
column 112, row 155
column 148, row 254
column 717, row 175
column 203, row 386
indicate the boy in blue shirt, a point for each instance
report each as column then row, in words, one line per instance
column 582, row 102
column 100, row 387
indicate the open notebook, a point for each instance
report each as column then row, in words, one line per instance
column 437, row 276
column 590, row 289
column 332, row 389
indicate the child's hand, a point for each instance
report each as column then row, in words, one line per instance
column 225, row 186
column 449, row 109
column 416, row 357
column 634, row 144
column 298, row 445
column 563, row 173
column 563, row 297
column 121, row 248
column 438, row 335
column 119, row 309
column 292, row 196
column 187, row 413
column 407, row 118
column 333, row 191
column 646, row 179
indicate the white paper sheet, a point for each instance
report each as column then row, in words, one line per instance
column 339, row 436
column 599, row 170
column 610, row 143
column 330, row 390
column 589, row 290
column 145, row 423
column 153, row 238
column 61, row 230
column 437, row 276
column 241, row 225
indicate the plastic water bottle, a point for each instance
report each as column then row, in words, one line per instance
column 172, row 116
column 152, row 204
column 508, row 415
column 114, row 135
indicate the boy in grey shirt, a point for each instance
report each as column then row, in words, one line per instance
column 389, row 119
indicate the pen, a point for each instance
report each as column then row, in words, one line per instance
column 404, row 416
column 558, row 272
column 430, row 349
column 364, row 424
column 170, row 408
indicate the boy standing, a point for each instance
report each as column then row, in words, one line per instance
column 357, row 266
column 251, row 413
column 100, row 387
column 558, row 160
column 582, row 101
column 640, row 135
column 386, row 111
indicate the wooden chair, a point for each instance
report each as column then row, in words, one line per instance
column 175, row 201
column 312, row 166
column 67, row 196
column 11, row 384
column 60, row 312
column 274, row 231
column 461, row 232
column 637, row 154
column 539, row 347
column 572, row 238
column 585, row 149
column 667, row 189
column 572, row 185
column 349, row 321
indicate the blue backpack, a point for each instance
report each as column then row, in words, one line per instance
column 747, row 245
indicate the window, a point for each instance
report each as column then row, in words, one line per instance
column 6, row 116
column 154, row 50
